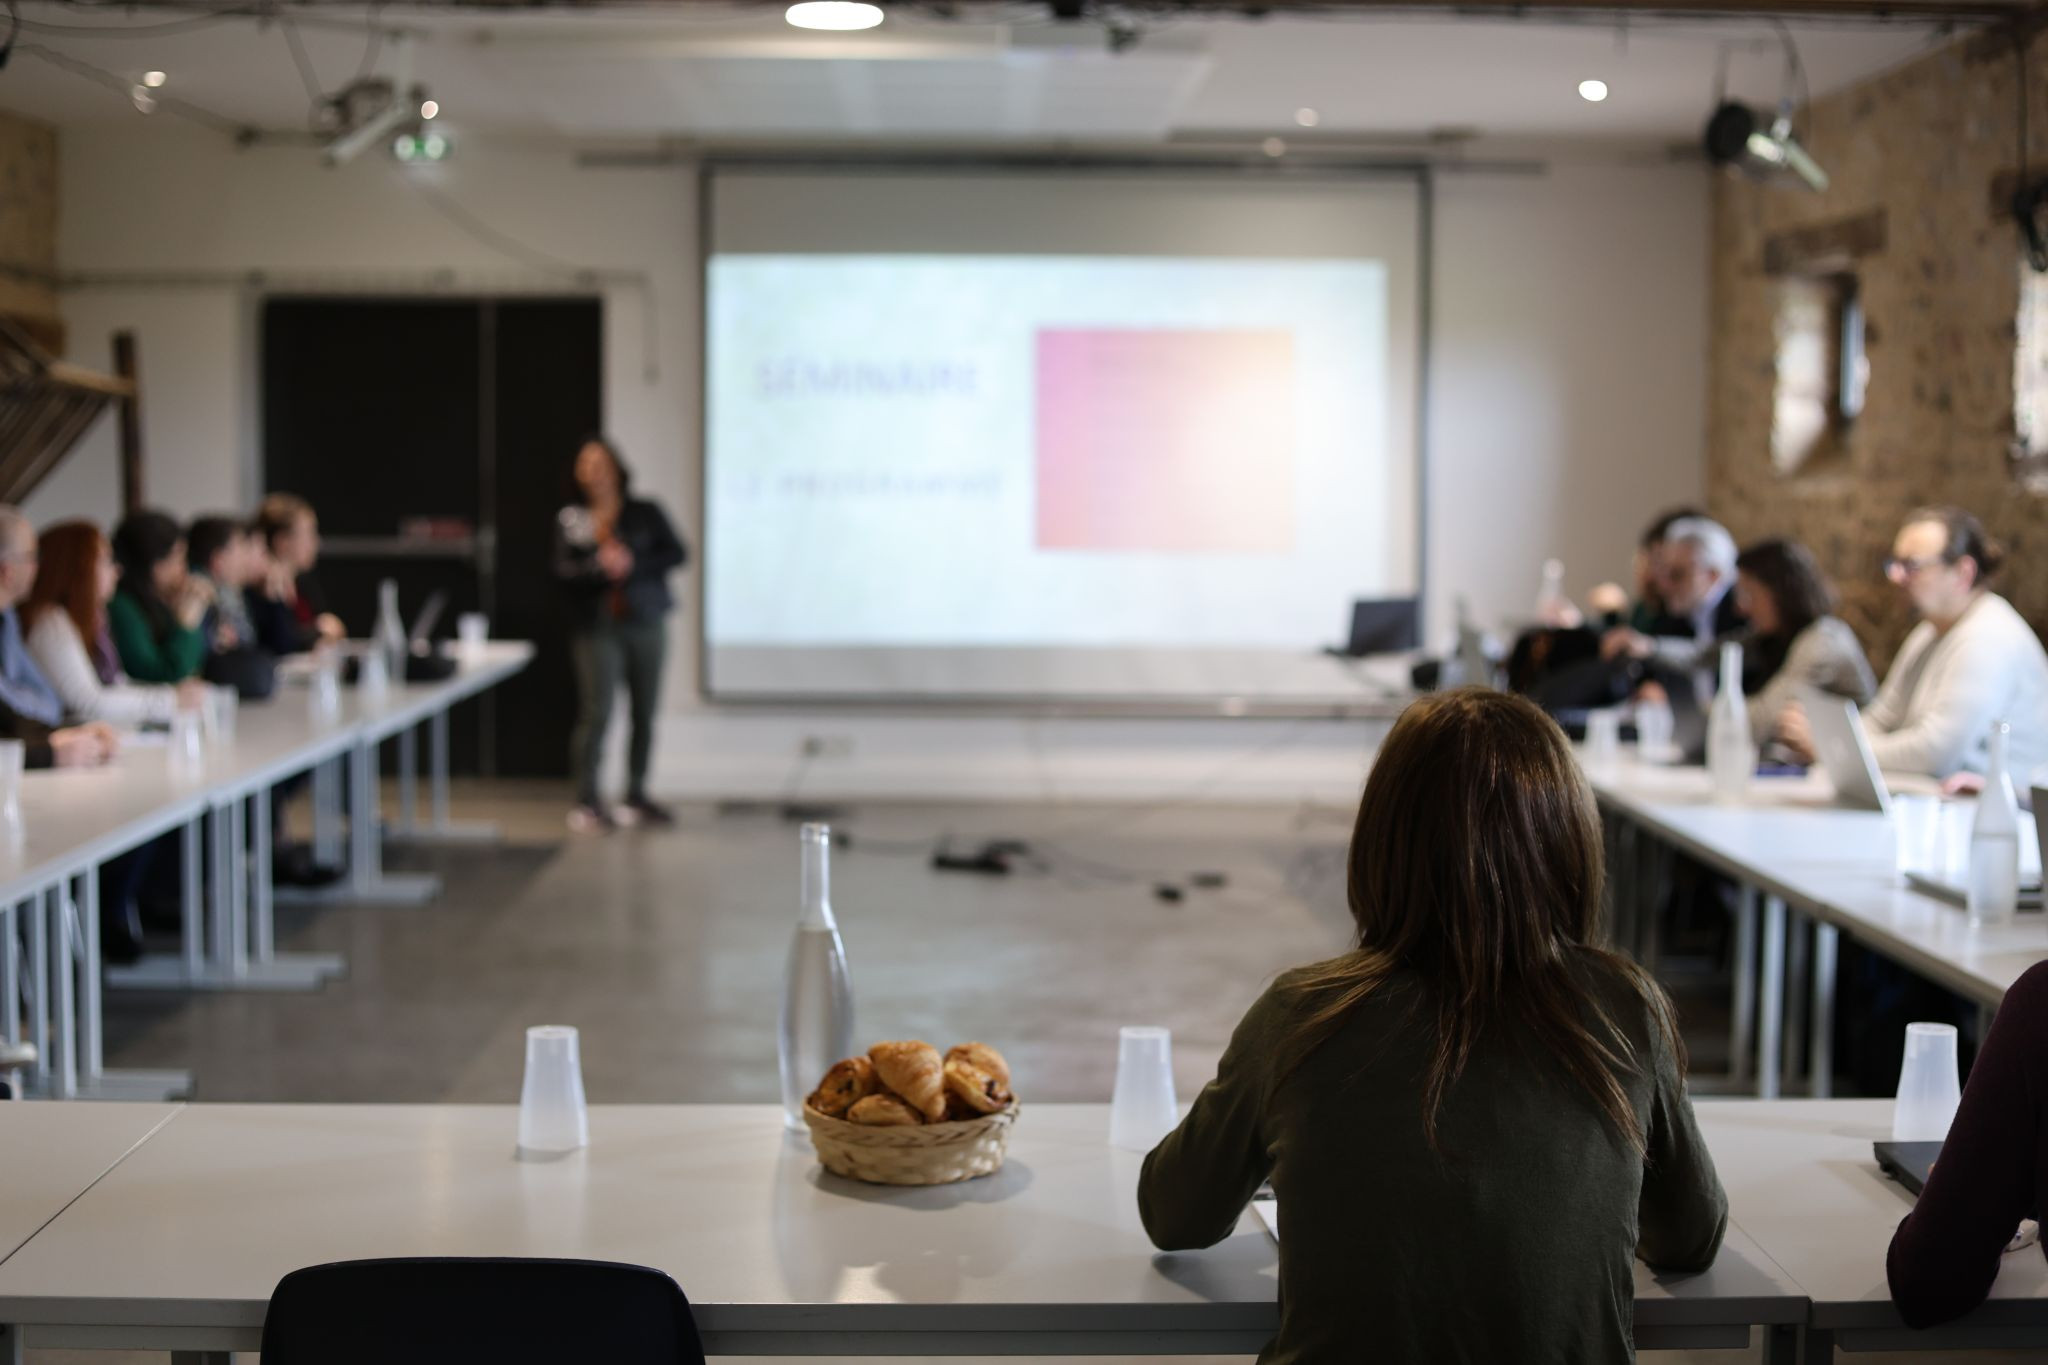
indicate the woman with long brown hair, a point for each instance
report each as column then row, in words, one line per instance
column 1474, row 1118
column 65, row 617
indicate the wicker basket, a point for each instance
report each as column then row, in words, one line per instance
column 929, row 1154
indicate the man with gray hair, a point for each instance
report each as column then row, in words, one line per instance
column 29, row 708
column 1694, row 571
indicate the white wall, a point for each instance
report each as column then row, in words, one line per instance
column 1568, row 402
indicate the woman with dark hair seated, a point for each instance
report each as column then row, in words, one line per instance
column 1477, row 1116
column 1795, row 643
column 154, row 616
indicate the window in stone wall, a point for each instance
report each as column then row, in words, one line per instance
column 1822, row 371
column 2030, row 382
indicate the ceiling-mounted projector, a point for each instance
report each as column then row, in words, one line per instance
column 1740, row 136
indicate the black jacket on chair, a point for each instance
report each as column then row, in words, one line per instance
column 643, row 594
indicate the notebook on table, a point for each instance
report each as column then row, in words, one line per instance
column 1907, row 1162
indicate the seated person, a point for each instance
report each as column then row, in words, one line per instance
column 155, row 613
column 1971, row 661
column 1794, row 641
column 66, row 616
column 222, row 553
column 1476, row 1073
column 1611, row 603
column 1993, row 1166
column 1694, row 571
column 286, row 604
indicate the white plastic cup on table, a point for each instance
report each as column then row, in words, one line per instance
column 472, row 633
column 1928, row 1087
column 1916, row 834
column 1144, row 1108
column 1653, row 731
column 13, row 758
column 325, row 694
column 373, row 676
column 188, row 741
column 222, row 707
column 552, row 1115
column 1603, row 738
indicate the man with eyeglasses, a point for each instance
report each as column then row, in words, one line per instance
column 1970, row 662
column 29, row 708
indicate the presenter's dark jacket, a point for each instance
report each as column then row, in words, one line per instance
column 643, row 595
column 1993, row 1168
column 1512, row 1241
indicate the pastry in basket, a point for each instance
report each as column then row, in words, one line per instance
column 884, row 1111
column 845, row 1084
column 985, row 1059
column 913, row 1070
column 974, row 1088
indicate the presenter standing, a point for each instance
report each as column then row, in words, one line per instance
column 614, row 553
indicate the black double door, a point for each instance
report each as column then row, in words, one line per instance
column 434, row 436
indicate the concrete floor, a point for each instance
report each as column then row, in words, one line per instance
column 665, row 950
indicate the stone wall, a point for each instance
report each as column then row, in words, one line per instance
column 28, row 222
column 1917, row 158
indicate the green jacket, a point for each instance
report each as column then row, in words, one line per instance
column 146, row 658
column 1512, row 1242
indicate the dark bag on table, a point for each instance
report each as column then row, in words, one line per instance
column 252, row 672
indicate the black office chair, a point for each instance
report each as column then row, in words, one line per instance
column 495, row 1310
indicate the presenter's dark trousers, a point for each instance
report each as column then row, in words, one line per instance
column 607, row 654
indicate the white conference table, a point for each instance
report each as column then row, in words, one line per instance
column 75, row 821
column 1790, row 849
column 1802, row 1182
column 179, row 1246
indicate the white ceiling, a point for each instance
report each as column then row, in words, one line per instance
column 731, row 73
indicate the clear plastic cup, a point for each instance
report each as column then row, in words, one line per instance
column 1144, row 1108
column 1928, row 1089
column 1603, row 738
column 1916, row 834
column 13, row 758
column 373, row 675
column 188, row 740
column 552, row 1115
column 1653, row 731
column 324, row 696
column 472, row 633
column 223, row 706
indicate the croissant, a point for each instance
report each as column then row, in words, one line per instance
column 883, row 1111
column 847, row 1081
column 914, row 1071
column 975, row 1088
column 982, row 1058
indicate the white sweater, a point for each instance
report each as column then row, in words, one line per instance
column 59, row 651
column 1934, row 713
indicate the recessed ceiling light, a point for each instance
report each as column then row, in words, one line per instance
column 429, row 108
column 154, row 79
column 1307, row 118
column 839, row 16
column 144, row 102
column 1273, row 146
column 1593, row 91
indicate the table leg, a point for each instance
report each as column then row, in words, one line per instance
column 263, row 908
column 220, row 899
column 1795, row 998
column 39, row 985
column 10, row 977
column 63, row 983
column 193, row 923
column 91, row 1043
column 327, row 812
column 1742, row 1016
column 437, row 766
column 1781, row 1344
column 1818, row 1348
column 1820, row 1066
column 1771, row 999
column 367, row 880
column 238, row 884
column 11, row 1351
column 408, row 779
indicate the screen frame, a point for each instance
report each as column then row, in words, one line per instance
column 1420, row 174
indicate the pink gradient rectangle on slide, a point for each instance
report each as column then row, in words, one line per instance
column 1172, row 440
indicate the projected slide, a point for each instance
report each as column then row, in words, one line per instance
column 1048, row 452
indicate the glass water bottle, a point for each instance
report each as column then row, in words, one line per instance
column 817, row 1001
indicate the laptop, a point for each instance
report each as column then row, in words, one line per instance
column 1843, row 748
column 1909, row 1163
column 1381, row 626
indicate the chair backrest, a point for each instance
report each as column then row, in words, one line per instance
column 454, row 1310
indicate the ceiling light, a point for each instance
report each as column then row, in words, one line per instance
column 428, row 109
column 1307, row 118
column 154, row 79
column 1761, row 146
column 1273, row 146
column 1593, row 91
column 144, row 102
column 838, row 16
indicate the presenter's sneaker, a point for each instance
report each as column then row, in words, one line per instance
column 590, row 819
column 639, row 810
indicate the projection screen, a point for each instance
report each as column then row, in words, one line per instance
column 1072, row 435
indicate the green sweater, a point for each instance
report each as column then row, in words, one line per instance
column 144, row 657
column 1514, row 1244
